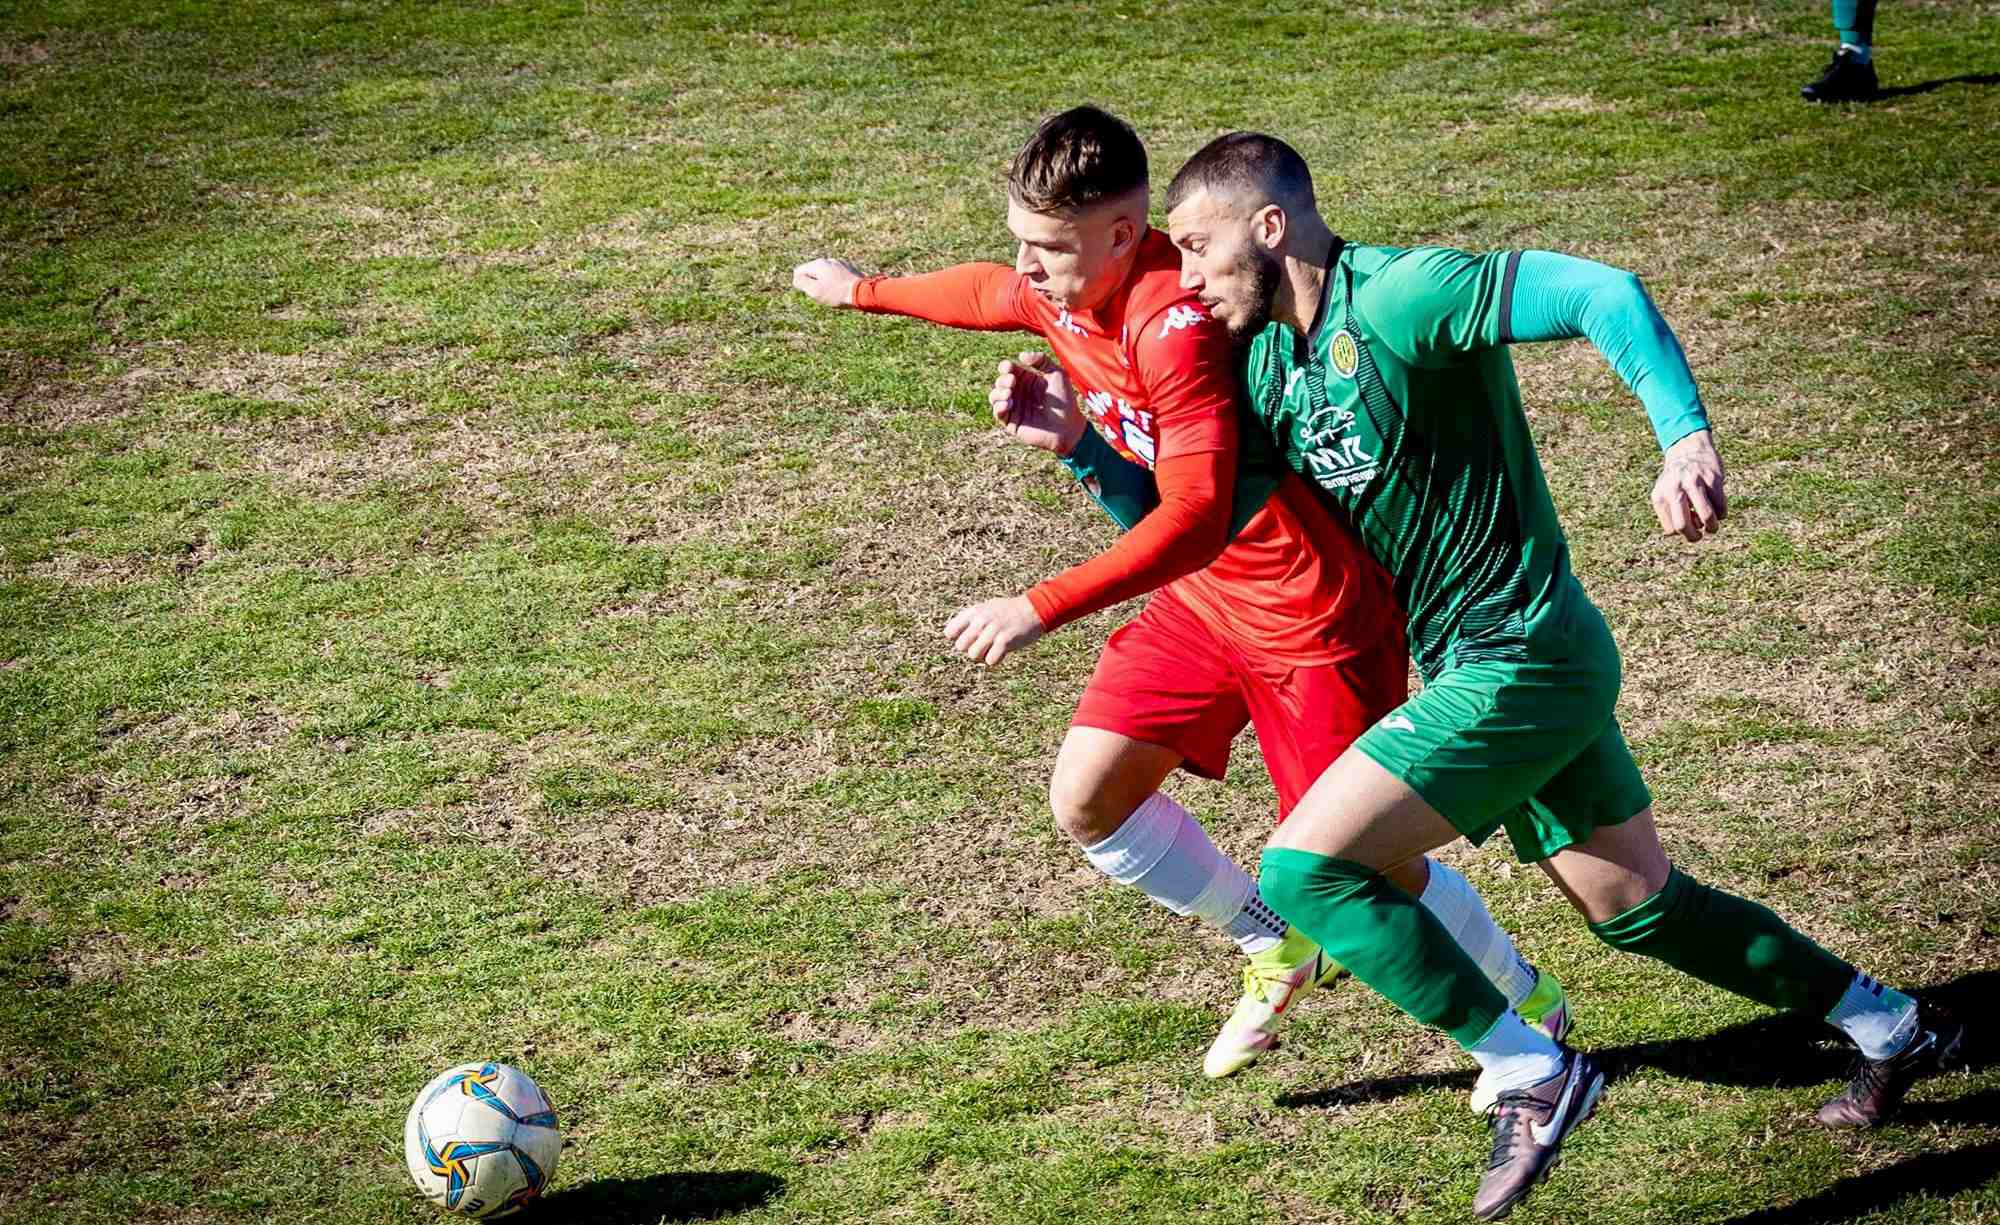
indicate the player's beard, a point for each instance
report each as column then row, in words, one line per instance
column 1263, row 271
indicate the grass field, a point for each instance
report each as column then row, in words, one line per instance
column 456, row 602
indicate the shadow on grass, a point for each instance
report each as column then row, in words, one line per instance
column 692, row 1195
column 1780, row 1052
column 1904, row 91
column 1933, row 1174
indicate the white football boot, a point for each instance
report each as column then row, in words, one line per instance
column 1274, row 981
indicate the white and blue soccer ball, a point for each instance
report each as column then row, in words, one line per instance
column 481, row 1140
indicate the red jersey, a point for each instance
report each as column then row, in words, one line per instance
column 1154, row 374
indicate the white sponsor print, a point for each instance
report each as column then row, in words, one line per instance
column 1179, row 317
column 1325, row 434
column 1068, row 324
column 1343, row 466
column 1292, row 380
column 1128, row 428
column 1140, row 442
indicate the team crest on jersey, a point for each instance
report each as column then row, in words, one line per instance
column 1346, row 355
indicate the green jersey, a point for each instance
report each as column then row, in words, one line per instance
column 1402, row 407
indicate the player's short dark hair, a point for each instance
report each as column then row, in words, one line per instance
column 1246, row 164
column 1075, row 160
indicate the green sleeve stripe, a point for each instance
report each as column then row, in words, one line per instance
column 1507, row 297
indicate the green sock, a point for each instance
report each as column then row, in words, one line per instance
column 1733, row 943
column 1385, row 938
column 1855, row 20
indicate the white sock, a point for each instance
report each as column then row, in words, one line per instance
column 1165, row 854
column 1515, row 1055
column 1463, row 912
column 1881, row 1020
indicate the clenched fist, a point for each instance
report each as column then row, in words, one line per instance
column 829, row 282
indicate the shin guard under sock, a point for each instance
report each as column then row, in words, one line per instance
column 1385, row 938
column 1730, row 942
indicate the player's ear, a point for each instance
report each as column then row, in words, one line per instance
column 1124, row 236
column 1269, row 226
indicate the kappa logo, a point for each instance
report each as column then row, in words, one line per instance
column 1179, row 317
column 1068, row 324
column 1345, row 354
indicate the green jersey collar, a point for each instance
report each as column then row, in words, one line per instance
column 1333, row 254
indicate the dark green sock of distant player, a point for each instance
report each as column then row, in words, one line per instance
column 1385, row 938
column 1730, row 942
column 1855, row 20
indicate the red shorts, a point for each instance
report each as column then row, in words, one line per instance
column 1167, row 679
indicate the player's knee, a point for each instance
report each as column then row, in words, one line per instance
column 1295, row 884
column 1083, row 809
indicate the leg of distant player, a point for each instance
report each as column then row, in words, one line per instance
column 1851, row 75
column 1621, row 881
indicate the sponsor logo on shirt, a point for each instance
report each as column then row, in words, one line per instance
column 1179, row 317
column 1342, row 466
column 1320, row 434
column 1068, row 324
column 1345, row 353
column 1336, row 459
column 1129, row 430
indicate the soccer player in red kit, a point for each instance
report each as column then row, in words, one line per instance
column 1267, row 611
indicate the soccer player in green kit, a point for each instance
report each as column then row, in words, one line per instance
column 1383, row 373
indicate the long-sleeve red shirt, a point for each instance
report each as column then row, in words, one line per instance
column 1153, row 374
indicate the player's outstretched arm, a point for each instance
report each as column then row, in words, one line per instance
column 829, row 282
column 977, row 297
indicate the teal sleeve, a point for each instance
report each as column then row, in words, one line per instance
column 1124, row 489
column 1547, row 296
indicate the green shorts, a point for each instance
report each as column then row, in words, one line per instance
column 1527, row 743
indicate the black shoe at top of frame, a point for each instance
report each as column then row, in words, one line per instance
column 1877, row 1086
column 1847, row 79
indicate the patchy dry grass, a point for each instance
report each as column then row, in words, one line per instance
column 458, row 603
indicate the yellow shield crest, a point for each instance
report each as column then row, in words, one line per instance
column 1346, row 356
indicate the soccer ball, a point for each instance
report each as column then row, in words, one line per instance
column 481, row 1140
